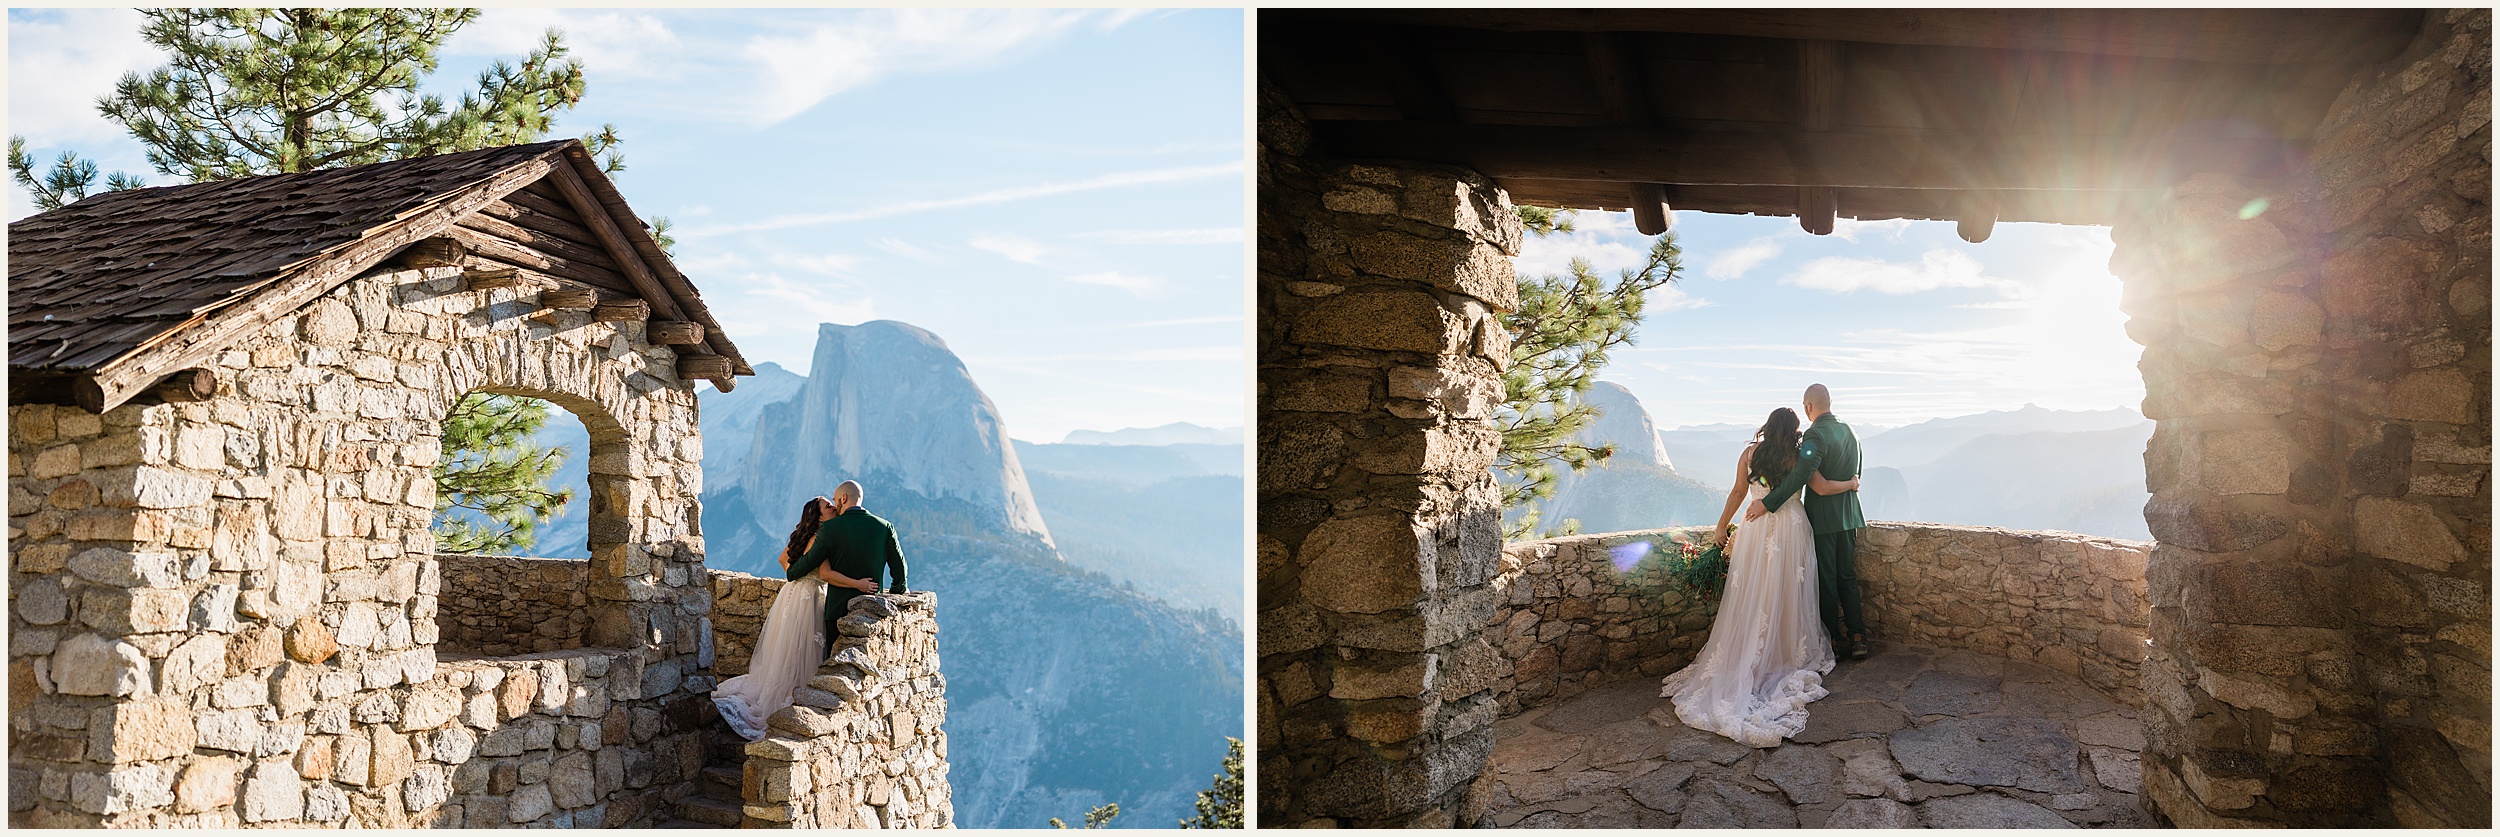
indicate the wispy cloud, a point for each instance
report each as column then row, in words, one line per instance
column 1935, row 269
column 610, row 44
column 1209, row 235
column 801, row 69
column 905, row 249
column 1733, row 263
column 59, row 60
column 1015, row 248
column 1114, row 180
column 1139, row 285
column 1186, row 354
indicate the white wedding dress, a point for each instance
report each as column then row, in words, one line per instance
column 787, row 651
column 1767, row 652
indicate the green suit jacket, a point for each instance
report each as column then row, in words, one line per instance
column 857, row 544
column 1832, row 448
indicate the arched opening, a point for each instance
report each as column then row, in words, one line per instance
column 530, row 493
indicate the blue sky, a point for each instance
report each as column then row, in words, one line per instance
column 1903, row 320
column 1058, row 194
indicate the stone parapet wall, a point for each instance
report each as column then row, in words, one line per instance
column 2074, row 603
column 739, row 603
column 864, row 746
column 501, row 605
column 1571, row 621
column 202, row 592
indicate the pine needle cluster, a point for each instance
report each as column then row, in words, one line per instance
column 1560, row 335
column 493, row 468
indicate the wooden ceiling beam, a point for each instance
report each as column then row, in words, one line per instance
column 1768, row 156
column 1615, row 66
column 1818, row 81
column 2096, row 207
column 2229, row 36
column 1413, row 83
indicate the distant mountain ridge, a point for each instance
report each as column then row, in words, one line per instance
column 2030, row 468
column 1166, row 518
column 1176, row 433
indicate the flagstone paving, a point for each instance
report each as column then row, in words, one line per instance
column 1909, row 738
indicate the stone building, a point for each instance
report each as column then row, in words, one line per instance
column 225, row 608
column 2301, row 207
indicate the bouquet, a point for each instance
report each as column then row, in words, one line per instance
column 1698, row 568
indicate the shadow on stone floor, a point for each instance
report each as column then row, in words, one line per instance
column 1909, row 738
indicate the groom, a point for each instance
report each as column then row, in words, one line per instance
column 1832, row 448
column 856, row 544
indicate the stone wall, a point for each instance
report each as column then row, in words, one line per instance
column 739, row 602
column 1380, row 353
column 865, row 744
column 563, row 739
column 2074, row 603
column 1571, row 621
column 501, row 605
column 202, row 594
column 2318, row 357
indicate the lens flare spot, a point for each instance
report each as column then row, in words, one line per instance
column 2254, row 208
column 1626, row 555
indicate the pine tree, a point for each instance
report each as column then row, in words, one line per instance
column 1219, row 806
column 1560, row 335
column 272, row 91
column 492, row 467
column 1100, row 817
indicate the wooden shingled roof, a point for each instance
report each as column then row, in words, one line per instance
column 111, row 294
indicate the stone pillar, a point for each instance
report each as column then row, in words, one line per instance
column 1380, row 358
column 2318, row 359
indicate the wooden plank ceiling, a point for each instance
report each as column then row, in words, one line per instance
column 2062, row 115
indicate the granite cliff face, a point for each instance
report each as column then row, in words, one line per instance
column 1636, row 488
column 889, row 405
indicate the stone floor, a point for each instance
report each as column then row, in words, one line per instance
column 1909, row 738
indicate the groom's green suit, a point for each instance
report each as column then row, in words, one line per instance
column 856, row 544
column 1832, row 448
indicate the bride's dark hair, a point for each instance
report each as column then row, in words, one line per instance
column 1775, row 446
column 811, row 515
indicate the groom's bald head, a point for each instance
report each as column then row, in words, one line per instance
column 1818, row 401
column 847, row 495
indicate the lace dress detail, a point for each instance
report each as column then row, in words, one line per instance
column 1767, row 653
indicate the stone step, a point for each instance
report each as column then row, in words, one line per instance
column 718, row 813
column 724, row 783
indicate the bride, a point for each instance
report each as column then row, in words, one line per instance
column 1768, row 651
column 792, row 641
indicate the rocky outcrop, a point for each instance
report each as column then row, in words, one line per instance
column 864, row 743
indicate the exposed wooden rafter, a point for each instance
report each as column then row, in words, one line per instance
column 1626, row 98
